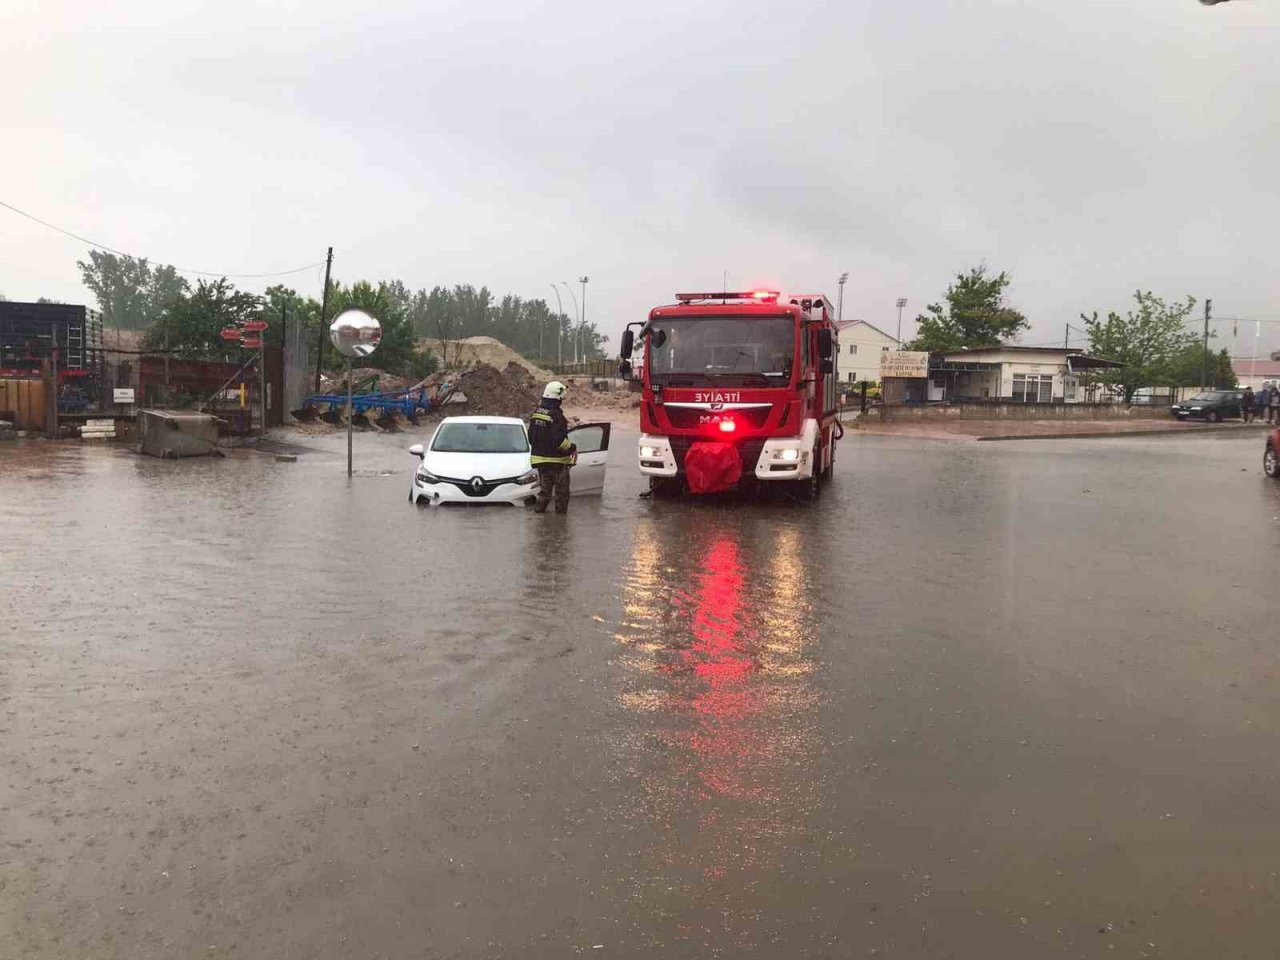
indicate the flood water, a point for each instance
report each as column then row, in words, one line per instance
column 1006, row 700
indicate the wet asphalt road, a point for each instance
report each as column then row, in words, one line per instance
column 985, row 700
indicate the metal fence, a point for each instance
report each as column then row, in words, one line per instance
column 297, row 365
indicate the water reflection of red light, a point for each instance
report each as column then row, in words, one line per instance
column 716, row 633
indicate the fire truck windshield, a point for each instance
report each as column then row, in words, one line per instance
column 722, row 350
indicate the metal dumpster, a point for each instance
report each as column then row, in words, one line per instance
column 174, row 433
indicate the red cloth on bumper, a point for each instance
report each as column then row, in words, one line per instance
column 711, row 467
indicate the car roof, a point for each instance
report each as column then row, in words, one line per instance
column 515, row 420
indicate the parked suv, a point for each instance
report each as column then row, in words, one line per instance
column 1212, row 405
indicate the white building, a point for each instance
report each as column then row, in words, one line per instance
column 1020, row 374
column 860, row 347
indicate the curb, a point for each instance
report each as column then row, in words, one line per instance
column 1096, row 435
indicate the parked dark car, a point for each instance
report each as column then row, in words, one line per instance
column 1212, row 405
column 1271, row 456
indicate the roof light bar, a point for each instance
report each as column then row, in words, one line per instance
column 726, row 295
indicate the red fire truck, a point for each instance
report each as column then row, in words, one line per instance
column 738, row 388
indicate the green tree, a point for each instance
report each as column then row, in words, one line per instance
column 1188, row 366
column 1149, row 342
column 131, row 294
column 975, row 314
column 192, row 325
column 279, row 302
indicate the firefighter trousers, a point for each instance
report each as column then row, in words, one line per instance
column 553, row 482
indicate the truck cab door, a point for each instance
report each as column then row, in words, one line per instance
column 587, row 476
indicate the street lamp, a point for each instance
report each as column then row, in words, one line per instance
column 840, row 301
column 559, row 327
column 577, row 311
column 902, row 302
column 582, row 327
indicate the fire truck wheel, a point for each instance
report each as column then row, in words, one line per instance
column 664, row 487
column 809, row 489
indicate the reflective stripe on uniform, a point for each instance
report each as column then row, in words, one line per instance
column 542, row 461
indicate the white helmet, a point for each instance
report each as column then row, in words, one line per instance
column 555, row 391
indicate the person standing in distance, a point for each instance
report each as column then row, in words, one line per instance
column 552, row 453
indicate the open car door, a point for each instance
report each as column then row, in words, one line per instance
column 592, row 441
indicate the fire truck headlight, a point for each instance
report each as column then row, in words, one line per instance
column 650, row 453
column 789, row 454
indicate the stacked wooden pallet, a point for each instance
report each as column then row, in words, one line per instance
column 98, row 430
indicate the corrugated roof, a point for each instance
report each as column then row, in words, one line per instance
column 1245, row 367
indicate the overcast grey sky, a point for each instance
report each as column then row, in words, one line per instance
column 1088, row 147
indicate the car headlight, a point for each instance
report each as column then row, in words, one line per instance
column 1195, row 409
column 789, row 454
column 426, row 476
column 650, row 453
column 527, row 478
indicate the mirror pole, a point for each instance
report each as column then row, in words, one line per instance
column 349, row 404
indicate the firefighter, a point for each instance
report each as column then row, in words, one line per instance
column 553, row 454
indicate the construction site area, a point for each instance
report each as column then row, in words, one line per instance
column 64, row 377
column 484, row 377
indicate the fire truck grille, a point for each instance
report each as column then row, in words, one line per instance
column 686, row 418
column 748, row 451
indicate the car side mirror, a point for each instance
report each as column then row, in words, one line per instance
column 417, row 450
column 628, row 343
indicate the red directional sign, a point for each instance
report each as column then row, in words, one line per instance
column 230, row 333
column 254, row 326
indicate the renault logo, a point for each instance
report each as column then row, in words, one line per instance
column 477, row 484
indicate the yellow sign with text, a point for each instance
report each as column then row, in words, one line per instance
column 904, row 363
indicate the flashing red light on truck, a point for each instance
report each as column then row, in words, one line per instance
column 751, row 374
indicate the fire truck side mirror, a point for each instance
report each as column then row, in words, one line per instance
column 628, row 344
column 826, row 344
column 826, row 366
column 624, row 369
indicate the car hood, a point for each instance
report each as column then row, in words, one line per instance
column 464, row 466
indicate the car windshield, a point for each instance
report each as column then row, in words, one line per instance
column 1212, row 397
column 736, row 350
column 480, row 438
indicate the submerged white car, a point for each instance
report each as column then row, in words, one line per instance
column 481, row 460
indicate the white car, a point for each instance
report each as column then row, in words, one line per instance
column 481, row 460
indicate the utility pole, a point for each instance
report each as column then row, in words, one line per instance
column 840, row 299
column 582, row 326
column 1204, row 360
column 57, row 428
column 324, row 311
column 902, row 302
column 577, row 311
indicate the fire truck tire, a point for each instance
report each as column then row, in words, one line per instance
column 664, row 487
column 807, row 490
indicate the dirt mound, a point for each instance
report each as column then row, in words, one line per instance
column 510, row 392
column 383, row 382
column 472, row 351
column 585, row 394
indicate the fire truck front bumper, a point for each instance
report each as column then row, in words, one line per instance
column 657, row 459
column 789, row 458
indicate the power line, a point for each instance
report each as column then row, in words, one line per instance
column 121, row 253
